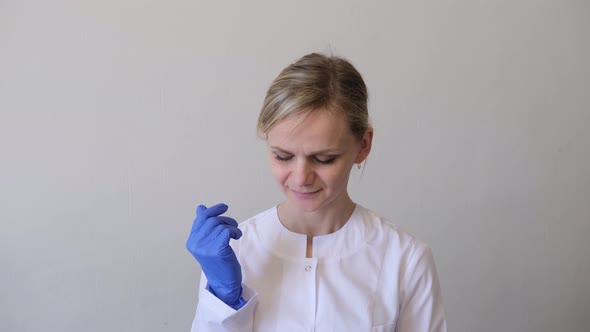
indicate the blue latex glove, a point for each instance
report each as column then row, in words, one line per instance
column 209, row 244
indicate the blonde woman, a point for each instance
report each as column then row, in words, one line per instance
column 317, row 261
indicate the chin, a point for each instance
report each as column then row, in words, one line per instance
column 298, row 203
column 306, row 205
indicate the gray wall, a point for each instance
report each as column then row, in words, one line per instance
column 119, row 117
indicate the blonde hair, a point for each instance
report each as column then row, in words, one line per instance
column 317, row 82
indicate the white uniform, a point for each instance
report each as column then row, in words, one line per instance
column 367, row 276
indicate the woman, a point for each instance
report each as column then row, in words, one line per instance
column 317, row 261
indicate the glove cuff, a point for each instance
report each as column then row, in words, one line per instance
column 241, row 303
column 235, row 301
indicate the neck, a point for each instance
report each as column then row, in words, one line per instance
column 327, row 220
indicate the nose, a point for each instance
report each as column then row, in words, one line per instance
column 303, row 174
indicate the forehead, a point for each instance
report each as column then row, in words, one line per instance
column 318, row 130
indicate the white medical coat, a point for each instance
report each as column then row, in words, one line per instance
column 367, row 276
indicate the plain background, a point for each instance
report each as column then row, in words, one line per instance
column 119, row 117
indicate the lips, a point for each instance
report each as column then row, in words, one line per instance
column 305, row 194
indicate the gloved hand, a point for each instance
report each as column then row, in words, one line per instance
column 209, row 244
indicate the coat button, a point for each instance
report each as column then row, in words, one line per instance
column 308, row 268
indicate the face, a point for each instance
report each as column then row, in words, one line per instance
column 311, row 159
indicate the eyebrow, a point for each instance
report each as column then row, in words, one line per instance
column 320, row 152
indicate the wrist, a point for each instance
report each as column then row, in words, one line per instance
column 231, row 297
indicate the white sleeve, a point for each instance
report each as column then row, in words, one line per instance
column 422, row 307
column 213, row 315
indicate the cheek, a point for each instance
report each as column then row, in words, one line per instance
column 337, row 176
column 279, row 171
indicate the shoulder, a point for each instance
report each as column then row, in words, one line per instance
column 409, row 270
column 405, row 253
column 400, row 243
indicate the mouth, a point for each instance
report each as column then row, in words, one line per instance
column 305, row 194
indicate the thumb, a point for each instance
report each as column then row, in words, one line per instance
column 199, row 218
column 201, row 208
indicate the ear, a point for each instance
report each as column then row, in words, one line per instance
column 366, row 143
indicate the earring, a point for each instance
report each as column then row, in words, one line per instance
column 358, row 165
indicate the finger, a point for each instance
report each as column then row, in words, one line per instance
column 205, row 228
column 213, row 211
column 204, row 214
column 235, row 233
column 197, row 220
column 227, row 221
column 196, row 224
column 207, row 233
column 223, row 233
column 201, row 208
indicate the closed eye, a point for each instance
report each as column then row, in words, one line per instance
column 325, row 161
column 283, row 158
